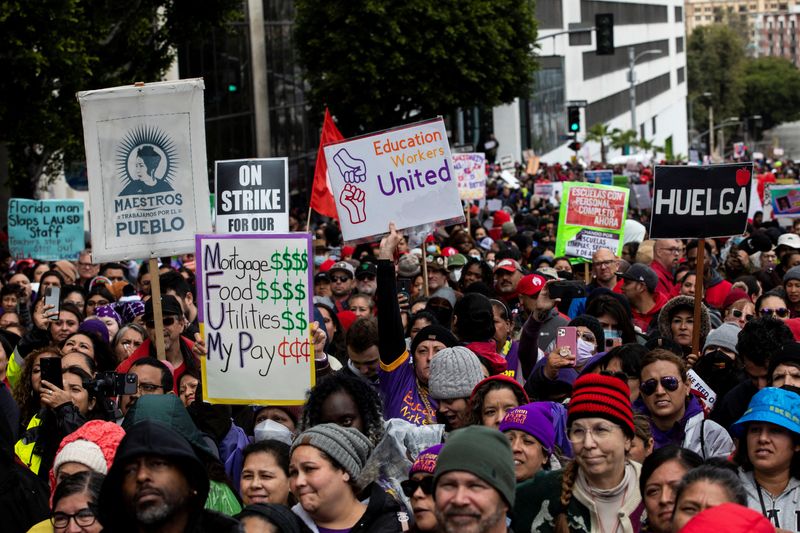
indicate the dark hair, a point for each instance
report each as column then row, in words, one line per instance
column 630, row 356
column 363, row 334
column 659, row 354
column 53, row 274
column 593, row 325
column 421, row 315
column 761, row 338
column 609, row 305
column 101, row 290
column 724, row 477
column 167, row 381
column 750, row 282
column 98, row 411
column 11, row 289
column 88, row 481
column 691, row 245
column 175, row 282
column 364, row 395
column 486, row 271
column 115, row 266
column 103, row 356
column 277, row 449
column 474, row 318
column 774, row 293
column 441, row 308
column 69, row 308
column 479, row 396
column 683, row 456
column 742, row 457
column 25, row 397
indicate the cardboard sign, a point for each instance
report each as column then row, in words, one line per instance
column 253, row 195
column 591, row 217
column 694, row 202
column 45, row 229
column 403, row 175
column 470, row 170
column 146, row 158
column 785, row 200
column 544, row 190
column 602, row 177
column 255, row 306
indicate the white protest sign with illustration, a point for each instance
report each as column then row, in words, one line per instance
column 470, row 170
column 146, row 161
column 255, row 306
column 252, row 195
column 48, row 230
column 404, row 175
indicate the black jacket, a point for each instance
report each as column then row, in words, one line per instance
column 732, row 406
column 154, row 438
column 383, row 514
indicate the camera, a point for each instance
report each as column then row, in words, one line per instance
column 113, row 384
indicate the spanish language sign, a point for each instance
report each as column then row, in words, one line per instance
column 700, row 201
column 403, row 175
column 45, row 229
column 146, row 159
column 785, row 200
column 252, row 196
column 602, row 177
column 254, row 295
column 470, row 169
column 591, row 217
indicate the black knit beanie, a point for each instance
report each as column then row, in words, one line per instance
column 594, row 326
column 474, row 318
column 433, row 333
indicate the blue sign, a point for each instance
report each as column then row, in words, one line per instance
column 48, row 230
column 601, row 177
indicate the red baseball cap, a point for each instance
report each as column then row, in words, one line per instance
column 509, row 265
column 531, row 284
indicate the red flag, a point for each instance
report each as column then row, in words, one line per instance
column 321, row 196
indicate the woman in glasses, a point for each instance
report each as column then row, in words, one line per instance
column 740, row 312
column 75, row 503
column 768, row 456
column 676, row 416
column 418, row 488
column 599, row 489
column 772, row 304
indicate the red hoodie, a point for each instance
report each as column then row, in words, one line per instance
column 642, row 320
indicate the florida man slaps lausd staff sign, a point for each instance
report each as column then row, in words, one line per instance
column 695, row 202
column 404, row 175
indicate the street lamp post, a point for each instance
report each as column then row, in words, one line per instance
column 633, row 57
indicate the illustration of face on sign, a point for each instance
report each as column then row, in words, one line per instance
column 146, row 160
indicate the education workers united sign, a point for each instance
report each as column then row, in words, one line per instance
column 700, row 201
column 146, row 161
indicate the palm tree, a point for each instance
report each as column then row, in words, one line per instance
column 600, row 133
column 621, row 139
column 649, row 146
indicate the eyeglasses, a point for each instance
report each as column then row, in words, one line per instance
column 738, row 313
column 410, row 486
column 589, row 337
column 670, row 383
column 167, row 321
column 674, row 250
column 782, row 312
column 604, row 264
column 149, row 388
column 84, row 518
column 94, row 303
column 366, row 277
column 85, row 265
column 599, row 433
column 340, row 279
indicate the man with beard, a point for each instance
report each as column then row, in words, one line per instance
column 507, row 274
column 157, row 484
column 473, row 484
column 604, row 270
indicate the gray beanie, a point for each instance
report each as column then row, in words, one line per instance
column 792, row 273
column 347, row 446
column 726, row 336
column 454, row 373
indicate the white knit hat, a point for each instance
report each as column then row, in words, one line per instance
column 84, row 452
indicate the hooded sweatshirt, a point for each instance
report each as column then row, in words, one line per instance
column 783, row 511
column 148, row 438
column 664, row 326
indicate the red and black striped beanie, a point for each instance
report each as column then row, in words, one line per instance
column 596, row 395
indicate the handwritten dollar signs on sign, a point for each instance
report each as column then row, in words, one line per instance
column 300, row 292
column 287, row 260
column 294, row 321
column 301, row 320
column 300, row 261
column 261, row 287
column 277, row 264
column 276, row 291
column 287, row 287
column 288, row 324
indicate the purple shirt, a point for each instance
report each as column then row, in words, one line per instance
column 401, row 397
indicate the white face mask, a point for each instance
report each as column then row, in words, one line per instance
column 455, row 275
column 585, row 352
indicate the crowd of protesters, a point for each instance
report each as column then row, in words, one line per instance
column 445, row 400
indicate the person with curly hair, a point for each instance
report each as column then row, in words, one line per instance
column 347, row 401
column 493, row 397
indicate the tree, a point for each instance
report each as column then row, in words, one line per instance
column 771, row 86
column 623, row 139
column 649, row 147
column 600, row 133
column 51, row 49
column 379, row 63
column 715, row 60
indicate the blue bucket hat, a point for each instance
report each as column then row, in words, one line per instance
column 776, row 406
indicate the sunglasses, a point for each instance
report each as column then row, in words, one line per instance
column 410, row 486
column 167, row 321
column 738, row 313
column 782, row 312
column 670, row 383
column 340, row 279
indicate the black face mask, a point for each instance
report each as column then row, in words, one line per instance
column 718, row 370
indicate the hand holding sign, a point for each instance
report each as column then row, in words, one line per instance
column 353, row 170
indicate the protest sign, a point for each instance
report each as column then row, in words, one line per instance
column 698, row 202
column 506, row 162
column 640, row 199
column 785, row 200
column 146, row 158
column 253, row 195
column 602, row 177
column 48, row 230
column 470, row 171
column 590, row 217
column 543, row 189
column 255, row 306
column 403, row 175
column 707, row 394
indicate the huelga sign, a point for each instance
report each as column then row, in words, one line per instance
column 694, row 202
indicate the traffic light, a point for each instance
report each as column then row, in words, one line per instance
column 604, row 31
column 574, row 119
column 574, row 146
